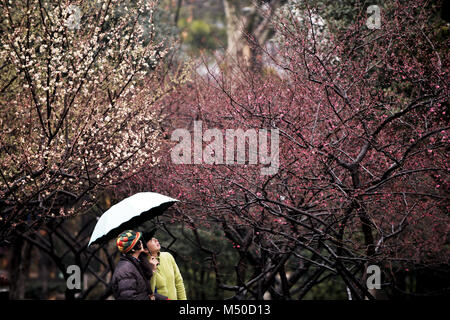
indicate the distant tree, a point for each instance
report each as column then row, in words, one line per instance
column 248, row 25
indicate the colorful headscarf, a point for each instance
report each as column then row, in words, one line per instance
column 127, row 240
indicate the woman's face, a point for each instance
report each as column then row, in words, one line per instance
column 153, row 245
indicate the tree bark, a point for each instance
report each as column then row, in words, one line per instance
column 234, row 27
column 44, row 274
column 248, row 31
column 19, row 268
column 15, row 280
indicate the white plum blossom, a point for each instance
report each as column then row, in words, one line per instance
column 72, row 119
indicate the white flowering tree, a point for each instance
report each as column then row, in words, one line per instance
column 78, row 82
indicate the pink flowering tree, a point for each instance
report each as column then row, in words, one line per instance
column 362, row 176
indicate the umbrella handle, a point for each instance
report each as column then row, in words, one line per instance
column 145, row 246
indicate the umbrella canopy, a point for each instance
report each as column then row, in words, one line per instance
column 128, row 214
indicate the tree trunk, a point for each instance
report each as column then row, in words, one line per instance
column 234, row 27
column 44, row 274
column 248, row 31
column 15, row 277
column 238, row 27
column 19, row 268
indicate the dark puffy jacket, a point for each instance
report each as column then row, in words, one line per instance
column 130, row 280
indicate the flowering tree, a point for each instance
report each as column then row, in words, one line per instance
column 78, row 84
column 363, row 168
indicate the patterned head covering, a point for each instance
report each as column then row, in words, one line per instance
column 127, row 240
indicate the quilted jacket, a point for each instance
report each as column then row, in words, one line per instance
column 130, row 280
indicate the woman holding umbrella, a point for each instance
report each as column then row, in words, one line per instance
column 131, row 276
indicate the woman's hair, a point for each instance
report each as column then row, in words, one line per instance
column 139, row 246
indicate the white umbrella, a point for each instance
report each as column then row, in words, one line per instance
column 128, row 214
